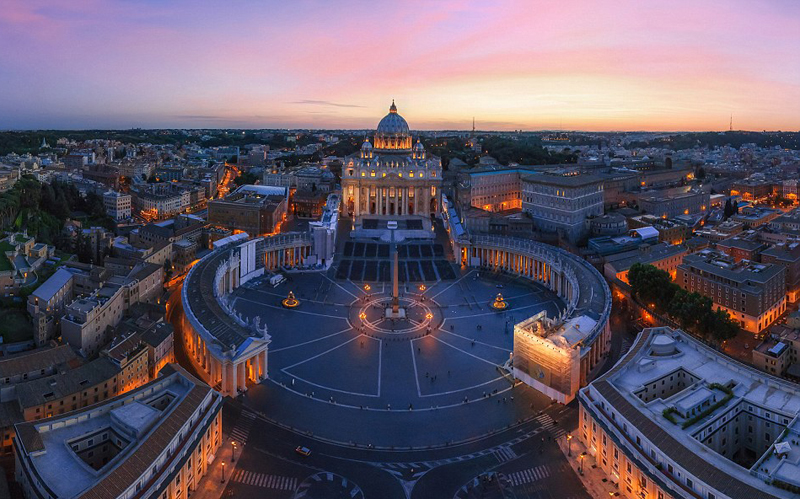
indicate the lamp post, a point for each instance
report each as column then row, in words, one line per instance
column 233, row 450
column 583, row 455
column 223, row 472
column 569, row 444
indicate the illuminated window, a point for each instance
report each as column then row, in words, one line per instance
column 400, row 174
column 384, row 174
column 411, row 174
column 363, row 174
column 372, row 173
column 433, row 190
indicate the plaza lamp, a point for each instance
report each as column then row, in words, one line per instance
column 233, row 450
column 223, row 472
column 569, row 444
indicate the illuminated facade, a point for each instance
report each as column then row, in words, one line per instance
column 676, row 419
column 392, row 177
column 556, row 355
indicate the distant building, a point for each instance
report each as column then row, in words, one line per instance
column 606, row 245
column 661, row 256
column 561, row 203
column 118, row 205
column 756, row 216
column 787, row 255
column 779, row 352
column 742, row 248
column 753, row 190
column 156, row 441
column 693, row 201
column 610, row 224
column 754, row 294
column 669, row 231
column 20, row 258
column 161, row 200
column 254, row 209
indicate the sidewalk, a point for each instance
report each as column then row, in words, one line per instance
column 594, row 479
column 211, row 485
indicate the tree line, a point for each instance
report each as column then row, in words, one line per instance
column 694, row 312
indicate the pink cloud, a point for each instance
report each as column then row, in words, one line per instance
column 520, row 63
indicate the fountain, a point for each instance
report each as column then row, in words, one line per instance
column 499, row 303
column 290, row 301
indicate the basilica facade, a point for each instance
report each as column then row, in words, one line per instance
column 392, row 176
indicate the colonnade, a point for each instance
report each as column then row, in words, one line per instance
column 526, row 266
column 230, row 375
column 394, row 200
column 284, row 256
column 559, row 279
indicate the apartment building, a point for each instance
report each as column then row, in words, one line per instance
column 787, row 255
column 562, row 203
column 669, row 206
column 254, row 209
column 754, row 294
column 118, row 205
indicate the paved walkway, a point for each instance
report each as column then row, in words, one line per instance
column 594, row 479
column 212, row 486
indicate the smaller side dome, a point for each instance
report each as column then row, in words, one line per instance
column 366, row 145
column 418, row 146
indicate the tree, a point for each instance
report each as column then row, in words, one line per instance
column 651, row 285
column 692, row 311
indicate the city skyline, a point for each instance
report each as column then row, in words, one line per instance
column 511, row 65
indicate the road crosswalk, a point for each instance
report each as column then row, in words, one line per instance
column 242, row 429
column 549, row 425
column 504, row 454
column 265, row 481
column 528, row 476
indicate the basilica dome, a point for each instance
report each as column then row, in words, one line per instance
column 393, row 123
column 393, row 132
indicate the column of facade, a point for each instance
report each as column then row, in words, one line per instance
column 400, row 201
column 213, row 368
column 242, row 374
column 262, row 365
column 228, row 380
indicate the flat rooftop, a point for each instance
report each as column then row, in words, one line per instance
column 149, row 429
column 644, row 365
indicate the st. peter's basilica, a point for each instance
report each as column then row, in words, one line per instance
column 393, row 176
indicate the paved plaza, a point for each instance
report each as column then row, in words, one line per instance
column 336, row 353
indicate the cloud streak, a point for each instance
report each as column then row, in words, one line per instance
column 324, row 103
